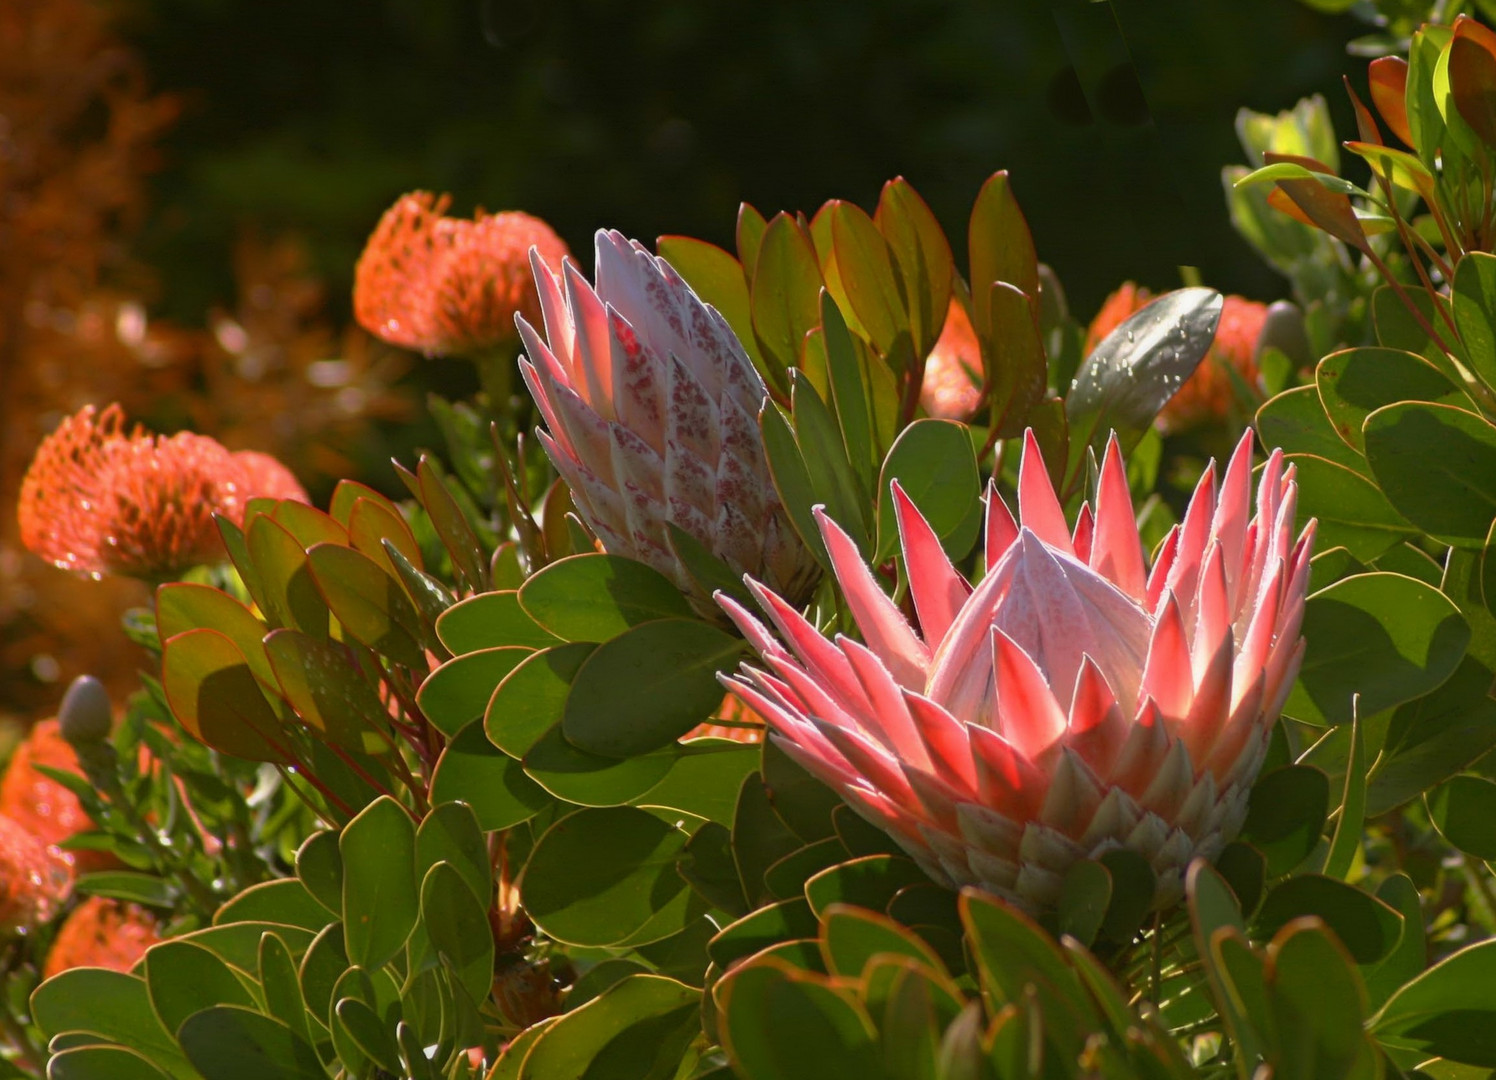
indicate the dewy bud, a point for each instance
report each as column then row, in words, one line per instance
column 85, row 715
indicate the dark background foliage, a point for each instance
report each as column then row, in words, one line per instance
column 1114, row 119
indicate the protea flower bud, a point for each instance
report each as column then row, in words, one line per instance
column 651, row 407
column 1072, row 702
column 85, row 715
column 99, row 500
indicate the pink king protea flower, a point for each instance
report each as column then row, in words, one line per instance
column 1072, row 702
column 652, row 409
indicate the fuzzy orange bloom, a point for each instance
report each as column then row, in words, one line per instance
column 952, row 387
column 98, row 500
column 1207, row 394
column 101, row 933
column 46, row 809
column 448, row 286
column 35, row 879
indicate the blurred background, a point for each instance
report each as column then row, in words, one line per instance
column 186, row 184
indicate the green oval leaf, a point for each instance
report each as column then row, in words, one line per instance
column 457, row 693
column 215, row 696
column 1447, row 1011
column 101, row 1063
column 1367, row 927
column 286, row 901
column 1352, row 512
column 1354, row 383
column 1463, row 809
column 184, row 605
column 474, row 771
column 597, row 597
column 490, row 621
column 532, row 697
column 1386, row 637
column 1474, row 304
column 109, row 1004
column 369, row 603
column 458, row 927
column 379, row 886
column 1286, row 815
column 329, row 691
column 600, row 876
column 934, row 463
column 184, row 978
column 1437, row 465
column 648, row 686
column 639, row 1026
column 228, row 1043
column 1138, row 367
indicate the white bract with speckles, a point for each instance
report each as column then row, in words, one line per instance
column 651, row 409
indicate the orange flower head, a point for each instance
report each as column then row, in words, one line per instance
column 98, row 500
column 35, row 879
column 449, row 286
column 101, row 933
column 952, row 387
column 1209, row 393
column 42, row 806
column 262, row 476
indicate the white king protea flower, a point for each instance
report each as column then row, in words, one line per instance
column 1071, row 703
column 652, row 409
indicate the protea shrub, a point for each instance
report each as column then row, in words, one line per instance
column 651, row 411
column 1073, row 702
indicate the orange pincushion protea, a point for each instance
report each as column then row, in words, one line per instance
column 1207, row 394
column 98, row 500
column 46, row 809
column 102, row 933
column 952, row 386
column 35, row 879
column 448, row 286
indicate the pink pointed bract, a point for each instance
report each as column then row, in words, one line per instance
column 1073, row 702
column 651, row 417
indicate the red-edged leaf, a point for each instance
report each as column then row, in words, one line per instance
column 1001, row 247
column 349, row 492
column 1325, row 209
column 1388, row 76
column 1016, row 367
column 786, row 295
column 865, row 266
column 1472, row 77
column 215, row 696
column 370, row 523
column 750, row 234
column 1366, row 124
column 923, row 257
